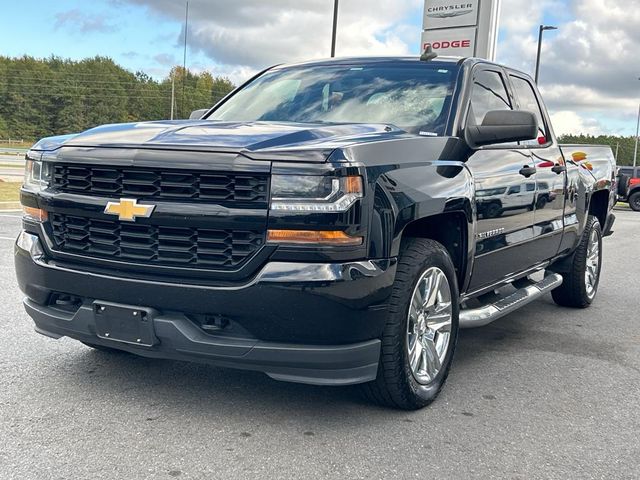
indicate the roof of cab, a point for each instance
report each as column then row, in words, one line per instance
column 371, row 61
column 467, row 62
column 350, row 61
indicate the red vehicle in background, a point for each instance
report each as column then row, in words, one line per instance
column 629, row 186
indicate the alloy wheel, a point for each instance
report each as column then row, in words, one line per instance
column 429, row 325
column 592, row 270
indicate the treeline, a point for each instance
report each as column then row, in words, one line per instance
column 623, row 146
column 55, row 96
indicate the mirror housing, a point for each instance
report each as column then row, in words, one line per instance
column 197, row 114
column 502, row 126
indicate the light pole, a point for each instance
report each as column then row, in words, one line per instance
column 335, row 28
column 184, row 56
column 542, row 29
column 635, row 150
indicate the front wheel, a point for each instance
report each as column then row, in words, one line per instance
column 580, row 283
column 422, row 328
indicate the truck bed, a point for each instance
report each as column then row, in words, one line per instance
column 597, row 159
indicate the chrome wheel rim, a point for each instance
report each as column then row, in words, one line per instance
column 592, row 271
column 429, row 325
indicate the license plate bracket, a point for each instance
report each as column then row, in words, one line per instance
column 126, row 324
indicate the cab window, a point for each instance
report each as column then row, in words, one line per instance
column 489, row 93
column 527, row 101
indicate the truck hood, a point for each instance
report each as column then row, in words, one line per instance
column 254, row 139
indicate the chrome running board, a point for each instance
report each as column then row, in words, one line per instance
column 479, row 317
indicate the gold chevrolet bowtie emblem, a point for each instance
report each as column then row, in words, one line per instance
column 128, row 209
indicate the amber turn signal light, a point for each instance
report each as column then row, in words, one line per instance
column 318, row 237
column 353, row 185
column 36, row 214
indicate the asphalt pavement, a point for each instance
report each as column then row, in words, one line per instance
column 545, row 393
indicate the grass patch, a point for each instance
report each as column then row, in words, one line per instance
column 10, row 191
column 16, row 145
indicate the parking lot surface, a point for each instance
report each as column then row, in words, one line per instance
column 547, row 392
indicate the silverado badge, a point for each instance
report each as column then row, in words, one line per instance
column 128, row 209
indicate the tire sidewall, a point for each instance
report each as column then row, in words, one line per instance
column 426, row 393
column 634, row 201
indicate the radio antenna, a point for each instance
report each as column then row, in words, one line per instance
column 428, row 54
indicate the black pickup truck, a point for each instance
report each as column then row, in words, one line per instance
column 332, row 222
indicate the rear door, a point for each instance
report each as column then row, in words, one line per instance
column 549, row 201
column 503, row 243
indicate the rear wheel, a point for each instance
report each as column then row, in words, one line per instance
column 422, row 328
column 580, row 283
column 634, row 201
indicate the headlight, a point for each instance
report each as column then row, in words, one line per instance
column 37, row 175
column 298, row 193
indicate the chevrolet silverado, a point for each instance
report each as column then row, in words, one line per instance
column 332, row 222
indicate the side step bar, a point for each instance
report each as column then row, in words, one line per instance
column 479, row 317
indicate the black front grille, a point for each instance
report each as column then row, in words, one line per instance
column 153, row 244
column 160, row 184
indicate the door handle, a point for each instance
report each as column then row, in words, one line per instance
column 526, row 171
column 557, row 168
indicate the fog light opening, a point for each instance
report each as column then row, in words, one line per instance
column 30, row 243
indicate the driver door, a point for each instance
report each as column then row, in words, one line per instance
column 505, row 210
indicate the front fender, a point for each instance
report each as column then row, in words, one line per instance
column 409, row 192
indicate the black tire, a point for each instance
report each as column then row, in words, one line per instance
column 542, row 203
column 623, row 185
column 493, row 210
column 573, row 291
column 634, row 201
column 395, row 385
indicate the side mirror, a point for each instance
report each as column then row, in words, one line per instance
column 502, row 126
column 197, row 114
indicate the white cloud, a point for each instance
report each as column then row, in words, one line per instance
column 569, row 122
column 588, row 65
column 256, row 33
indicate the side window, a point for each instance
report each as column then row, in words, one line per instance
column 489, row 93
column 528, row 101
column 513, row 190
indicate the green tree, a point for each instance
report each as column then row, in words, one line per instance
column 42, row 97
column 624, row 146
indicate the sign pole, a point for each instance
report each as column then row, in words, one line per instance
column 335, row 28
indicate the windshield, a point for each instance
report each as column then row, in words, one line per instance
column 415, row 98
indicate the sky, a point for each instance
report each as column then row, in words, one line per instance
column 589, row 70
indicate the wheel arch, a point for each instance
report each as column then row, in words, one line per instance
column 452, row 230
column 599, row 206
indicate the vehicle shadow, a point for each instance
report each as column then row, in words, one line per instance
column 176, row 387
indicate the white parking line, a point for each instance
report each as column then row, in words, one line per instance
column 11, row 216
column 8, row 238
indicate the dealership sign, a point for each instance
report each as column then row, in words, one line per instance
column 447, row 14
column 461, row 28
column 459, row 42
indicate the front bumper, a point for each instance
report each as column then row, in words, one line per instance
column 309, row 323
